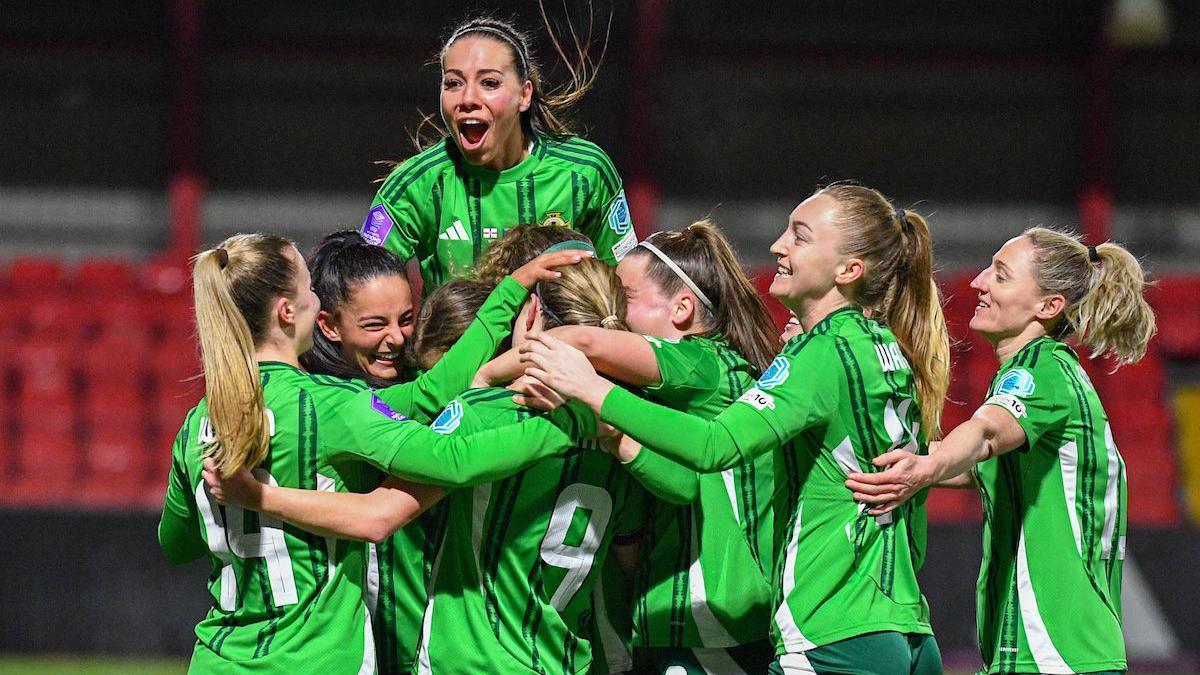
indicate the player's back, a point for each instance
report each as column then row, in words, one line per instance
column 513, row 578
column 283, row 599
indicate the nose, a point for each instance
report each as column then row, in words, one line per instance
column 979, row 283
column 779, row 247
column 396, row 337
column 470, row 97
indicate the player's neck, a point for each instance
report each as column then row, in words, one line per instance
column 275, row 350
column 812, row 312
column 1005, row 347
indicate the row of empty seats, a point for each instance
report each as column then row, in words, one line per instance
column 100, row 366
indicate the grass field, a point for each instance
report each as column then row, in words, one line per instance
column 75, row 665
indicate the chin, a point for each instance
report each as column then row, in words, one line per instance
column 384, row 372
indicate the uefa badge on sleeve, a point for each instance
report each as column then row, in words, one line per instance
column 377, row 226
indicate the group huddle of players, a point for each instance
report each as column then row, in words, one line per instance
column 587, row 453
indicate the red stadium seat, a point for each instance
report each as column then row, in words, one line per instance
column 30, row 275
column 45, row 372
column 762, row 277
column 104, row 277
column 1174, row 302
column 166, row 277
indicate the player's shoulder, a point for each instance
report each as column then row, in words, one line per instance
column 417, row 170
column 580, row 155
column 1043, row 366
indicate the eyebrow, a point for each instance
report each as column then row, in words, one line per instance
column 458, row 72
column 797, row 224
column 1001, row 264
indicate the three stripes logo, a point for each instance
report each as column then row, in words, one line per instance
column 455, row 232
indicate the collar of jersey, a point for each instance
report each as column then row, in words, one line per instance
column 509, row 175
column 1034, row 342
column 276, row 364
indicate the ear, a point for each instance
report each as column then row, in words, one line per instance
column 1051, row 307
column 327, row 326
column 533, row 309
column 848, row 272
column 526, row 96
column 285, row 312
column 683, row 310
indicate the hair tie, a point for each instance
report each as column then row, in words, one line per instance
column 679, row 273
column 1093, row 255
column 606, row 320
column 498, row 33
column 900, row 214
column 222, row 257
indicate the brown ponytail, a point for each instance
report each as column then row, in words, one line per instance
column 1105, row 307
column 235, row 285
column 518, row 246
column 738, row 313
column 454, row 304
column 898, row 287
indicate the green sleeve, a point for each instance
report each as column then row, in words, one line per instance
column 1034, row 398
column 423, row 398
column 367, row 428
column 800, row 389
column 667, row 480
column 401, row 218
column 606, row 218
column 689, row 372
column 178, row 530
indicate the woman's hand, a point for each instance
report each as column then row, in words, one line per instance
column 564, row 369
column 534, row 394
column 905, row 475
column 542, row 268
column 792, row 329
column 240, row 488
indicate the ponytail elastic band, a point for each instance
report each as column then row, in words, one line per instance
column 570, row 245
column 679, row 273
column 222, row 257
column 901, row 215
column 610, row 317
column 1093, row 255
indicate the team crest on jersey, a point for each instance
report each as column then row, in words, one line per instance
column 377, row 226
column 618, row 214
column 1016, row 382
column 386, row 410
column 555, row 219
column 449, row 420
column 775, row 374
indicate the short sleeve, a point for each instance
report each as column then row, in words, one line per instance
column 397, row 221
column 1033, row 398
column 607, row 220
column 689, row 372
column 802, row 387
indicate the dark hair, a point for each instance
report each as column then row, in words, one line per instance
column 518, row 246
column 339, row 262
column 738, row 314
column 549, row 110
column 455, row 304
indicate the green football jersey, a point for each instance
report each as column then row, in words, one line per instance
column 704, row 578
column 1049, row 594
column 444, row 212
column 513, row 581
column 398, row 568
column 284, row 599
column 836, row 397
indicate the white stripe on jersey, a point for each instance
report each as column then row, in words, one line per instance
column 1112, row 495
column 1045, row 655
column 1068, row 462
column 712, row 633
column 367, row 667
column 796, row 664
column 717, row 662
column 372, row 593
column 793, row 639
column 615, row 652
column 727, row 476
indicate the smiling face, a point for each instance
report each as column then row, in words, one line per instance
column 807, row 254
column 1010, row 300
column 372, row 325
column 482, row 100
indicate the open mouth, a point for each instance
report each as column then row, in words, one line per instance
column 471, row 133
column 781, row 271
column 391, row 358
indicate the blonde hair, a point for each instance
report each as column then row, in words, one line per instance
column 588, row 293
column 235, row 285
column 897, row 286
column 1105, row 307
column 738, row 313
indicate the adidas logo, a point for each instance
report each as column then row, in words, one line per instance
column 455, row 232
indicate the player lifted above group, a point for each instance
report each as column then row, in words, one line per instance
column 590, row 454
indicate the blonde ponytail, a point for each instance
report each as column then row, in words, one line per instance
column 897, row 286
column 1105, row 306
column 589, row 293
column 234, row 286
